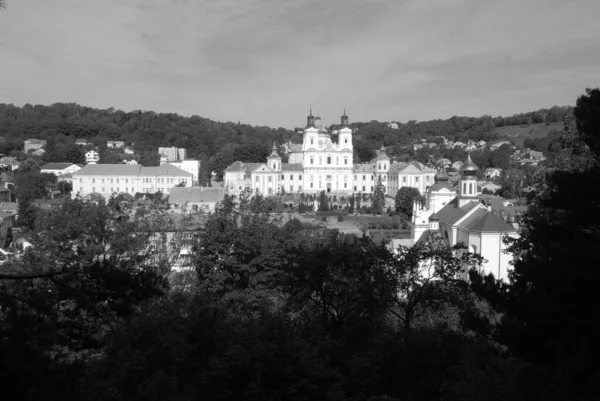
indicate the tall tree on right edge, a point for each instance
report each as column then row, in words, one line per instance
column 556, row 274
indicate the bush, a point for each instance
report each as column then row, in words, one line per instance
column 341, row 217
column 405, row 225
column 324, row 218
column 384, row 226
column 378, row 227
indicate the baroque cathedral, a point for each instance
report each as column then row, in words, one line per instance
column 320, row 164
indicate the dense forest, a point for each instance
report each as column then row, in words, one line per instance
column 274, row 311
column 220, row 143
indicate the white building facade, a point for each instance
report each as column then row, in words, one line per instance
column 460, row 216
column 320, row 164
column 111, row 179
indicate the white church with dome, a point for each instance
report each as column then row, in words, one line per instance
column 320, row 164
column 460, row 216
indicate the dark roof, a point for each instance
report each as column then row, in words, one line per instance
column 484, row 221
column 196, row 194
column 291, row 167
column 450, row 213
column 441, row 185
column 56, row 166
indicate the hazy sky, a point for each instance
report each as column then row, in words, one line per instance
column 266, row 62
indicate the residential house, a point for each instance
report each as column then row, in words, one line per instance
column 115, row 144
column 129, row 150
column 9, row 163
column 196, row 198
column 172, row 153
column 47, row 204
column 38, row 152
column 33, row 144
column 490, row 186
column 481, row 144
column 92, row 157
column 444, row 163
column 81, row 142
column 60, row 168
column 492, row 173
column 457, row 165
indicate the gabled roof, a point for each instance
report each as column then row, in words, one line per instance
column 108, row 169
column 196, row 194
column 262, row 167
column 57, row 166
column 486, row 222
column 165, row 169
column 451, row 213
column 364, row 168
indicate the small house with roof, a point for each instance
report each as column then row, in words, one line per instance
column 194, row 199
column 460, row 216
column 492, row 173
column 60, row 168
column 33, row 144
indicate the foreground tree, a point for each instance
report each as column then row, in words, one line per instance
column 558, row 260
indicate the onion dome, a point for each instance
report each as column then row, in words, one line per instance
column 441, row 176
column 344, row 119
column 434, row 217
column 310, row 120
column 469, row 168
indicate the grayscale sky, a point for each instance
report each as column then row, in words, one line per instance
column 265, row 62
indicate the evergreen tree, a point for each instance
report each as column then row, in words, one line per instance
column 379, row 197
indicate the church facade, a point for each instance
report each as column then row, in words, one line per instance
column 320, row 164
column 459, row 215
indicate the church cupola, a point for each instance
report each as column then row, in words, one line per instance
column 434, row 222
column 274, row 161
column 467, row 190
column 310, row 120
column 344, row 119
column 441, row 176
column 318, row 122
column 382, row 160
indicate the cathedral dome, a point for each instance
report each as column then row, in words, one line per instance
column 441, row 176
column 469, row 167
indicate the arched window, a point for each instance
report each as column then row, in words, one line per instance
column 470, row 188
column 311, row 141
column 328, row 159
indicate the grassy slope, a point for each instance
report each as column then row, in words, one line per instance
column 518, row 134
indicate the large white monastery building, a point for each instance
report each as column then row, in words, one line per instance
column 320, row 164
column 112, row 179
column 461, row 216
